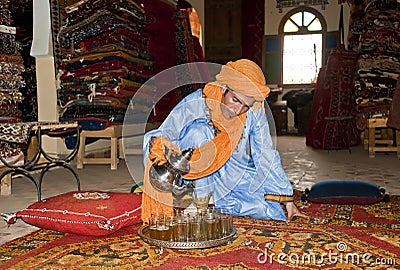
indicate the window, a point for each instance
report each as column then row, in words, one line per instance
column 295, row 56
column 302, row 33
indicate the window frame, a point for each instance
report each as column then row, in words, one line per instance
column 273, row 48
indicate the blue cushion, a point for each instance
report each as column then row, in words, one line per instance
column 344, row 192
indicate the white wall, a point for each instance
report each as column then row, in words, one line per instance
column 47, row 101
column 45, row 74
column 273, row 17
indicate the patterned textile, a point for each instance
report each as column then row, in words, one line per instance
column 103, row 58
column 183, row 37
column 185, row 52
column 111, row 110
column 378, row 64
column 16, row 132
column 81, row 10
column 99, row 22
column 11, row 66
column 355, row 22
column 165, row 48
column 29, row 105
column 335, row 237
column 20, row 132
column 253, row 20
column 91, row 58
column 105, row 66
column 162, row 28
column 22, row 14
column 331, row 124
column 108, row 49
column 119, row 37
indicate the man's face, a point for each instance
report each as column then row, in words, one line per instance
column 234, row 103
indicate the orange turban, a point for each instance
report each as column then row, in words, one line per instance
column 246, row 77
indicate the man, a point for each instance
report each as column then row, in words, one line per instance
column 233, row 157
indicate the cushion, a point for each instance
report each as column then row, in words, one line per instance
column 344, row 192
column 85, row 212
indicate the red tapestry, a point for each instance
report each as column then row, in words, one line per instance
column 332, row 124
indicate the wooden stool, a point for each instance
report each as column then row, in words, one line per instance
column 114, row 133
column 381, row 143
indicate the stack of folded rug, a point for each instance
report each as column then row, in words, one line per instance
column 378, row 65
column 11, row 67
column 108, row 50
column 105, row 60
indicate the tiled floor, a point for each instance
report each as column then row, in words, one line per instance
column 303, row 165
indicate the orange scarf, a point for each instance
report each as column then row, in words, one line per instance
column 205, row 160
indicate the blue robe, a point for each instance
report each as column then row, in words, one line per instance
column 254, row 169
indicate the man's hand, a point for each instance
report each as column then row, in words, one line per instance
column 293, row 211
column 152, row 142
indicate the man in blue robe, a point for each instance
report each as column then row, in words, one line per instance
column 248, row 179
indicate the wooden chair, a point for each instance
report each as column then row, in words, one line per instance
column 114, row 133
column 380, row 138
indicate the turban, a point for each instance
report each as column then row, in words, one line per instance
column 246, row 77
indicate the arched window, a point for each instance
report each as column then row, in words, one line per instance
column 295, row 55
column 302, row 30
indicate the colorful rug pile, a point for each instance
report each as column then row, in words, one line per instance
column 334, row 237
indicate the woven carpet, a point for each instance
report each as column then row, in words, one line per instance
column 331, row 124
column 334, row 237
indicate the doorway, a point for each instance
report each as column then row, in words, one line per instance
column 233, row 29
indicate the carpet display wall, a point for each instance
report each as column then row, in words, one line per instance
column 105, row 59
column 22, row 14
column 12, row 81
column 11, row 67
column 106, row 50
column 18, row 91
column 378, row 65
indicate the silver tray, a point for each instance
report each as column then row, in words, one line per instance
column 184, row 245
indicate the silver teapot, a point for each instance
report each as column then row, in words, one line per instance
column 167, row 177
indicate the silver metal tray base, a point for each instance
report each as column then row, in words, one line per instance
column 184, row 245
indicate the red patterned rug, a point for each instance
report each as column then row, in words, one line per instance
column 335, row 237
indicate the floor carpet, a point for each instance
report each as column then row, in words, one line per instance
column 334, row 237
